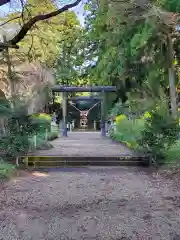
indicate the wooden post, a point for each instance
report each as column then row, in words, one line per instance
column 73, row 124
column 35, row 141
column 26, row 162
column 70, row 126
column 95, row 125
column 65, row 114
column 106, row 126
column 103, row 131
column 17, row 161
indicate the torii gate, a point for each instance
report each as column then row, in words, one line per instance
column 66, row 89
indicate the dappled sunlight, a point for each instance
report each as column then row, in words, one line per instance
column 40, row 174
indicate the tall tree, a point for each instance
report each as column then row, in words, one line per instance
column 129, row 41
column 69, row 67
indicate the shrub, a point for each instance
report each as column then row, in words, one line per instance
column 117, row 109
column 43, row 116
column 160, row 133
column 18, row 127
column 173, row 153
column 12, row 145
column 128, row 131
column 6, row 170
column 120, row 118
column 41, row 121
column 146, row 115
column 14, row 141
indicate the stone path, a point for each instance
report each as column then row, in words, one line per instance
column 90, row 204
column 85, row 144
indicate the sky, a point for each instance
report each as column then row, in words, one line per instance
column 78, row 9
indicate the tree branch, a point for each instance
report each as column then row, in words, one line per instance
column 7, row 45
column 27, row 26
column 12, row 19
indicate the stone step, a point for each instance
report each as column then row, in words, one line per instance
column 76, row 161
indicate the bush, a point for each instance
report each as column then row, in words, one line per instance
column 42, row 116
column 13, row 145
column 45, row 116
column 173, row 153
column 14, row 140
column 6, row 170
column 159, row 134
column 19, row 128
column 128, row 131
column 41, row 121
column 120, row 118
column 146, row 115
column 117, row 109
column 155, row 133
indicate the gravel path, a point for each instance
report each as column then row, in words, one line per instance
column 85, row 144
column 90, row 203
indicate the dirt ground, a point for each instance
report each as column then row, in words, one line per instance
column 90, row 203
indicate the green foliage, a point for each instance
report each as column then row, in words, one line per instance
column 4, row 107
column 132, row 108
column 128, row 131
column 69, row 61
column 44, row 41
column 7, row 170
column 19, row 129
column 117, row 109
column 13, row 145
column 121, row 117
column 159, row 134
column 128, row 44
column 155, row 133
column 18, row 126
column 173, row 153
column 40, row 122
column 146, row 115
column 170, row 5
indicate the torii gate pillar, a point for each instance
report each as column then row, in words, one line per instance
column 103, row 128
column 65, row 105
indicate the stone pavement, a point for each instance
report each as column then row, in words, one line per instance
column 88, row 144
